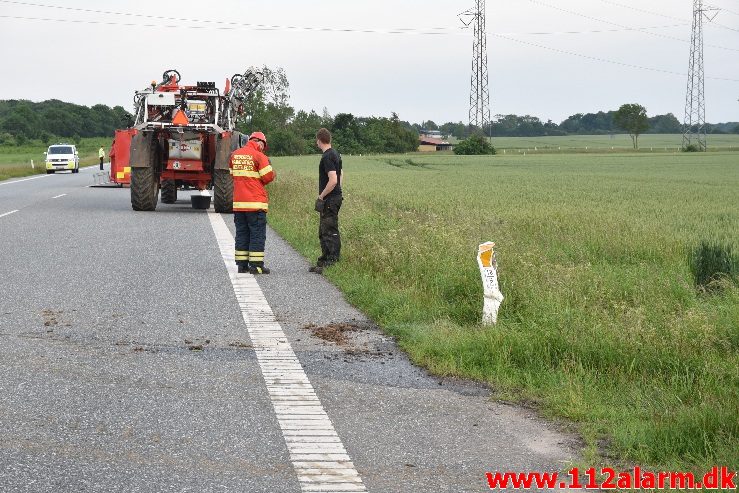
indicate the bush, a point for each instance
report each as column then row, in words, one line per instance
column 711, row 263
column 475, row 145
column 691, row 148
column 46, row 138
column 7, row 139
column 286, row 143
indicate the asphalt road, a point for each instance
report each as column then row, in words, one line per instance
column 126, row 364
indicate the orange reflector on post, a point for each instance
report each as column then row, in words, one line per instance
column 180, row 118
column 485, row 253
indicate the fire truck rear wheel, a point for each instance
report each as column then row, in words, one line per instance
column 169, row 192
column 144, row 189
column 223, row 191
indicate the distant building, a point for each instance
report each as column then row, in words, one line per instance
column 431, row 144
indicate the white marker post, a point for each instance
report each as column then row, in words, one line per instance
column 489, row 272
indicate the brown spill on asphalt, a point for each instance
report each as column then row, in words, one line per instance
column 336, row 333
column 340, row 335
column 240, row 345
column 50, row 319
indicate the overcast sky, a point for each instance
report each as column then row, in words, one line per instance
column 91, row 57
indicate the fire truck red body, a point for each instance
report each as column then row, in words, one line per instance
column 182, row 137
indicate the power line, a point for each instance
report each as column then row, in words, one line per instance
column 232, row 24
column 714, row 23
column 264, row 27
column 724, row 9
column 644, row 31
column 605, row 60
column 598, row 31
column 499, row 35
column 268, row 27
column 254, row 27
column 644, row 11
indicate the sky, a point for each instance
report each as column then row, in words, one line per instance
column 546, row 58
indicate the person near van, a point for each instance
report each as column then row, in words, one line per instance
column 101, row 155
column 329, row 202
column 251, row 171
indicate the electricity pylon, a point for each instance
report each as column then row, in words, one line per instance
column 479, row 94
column 694, row 125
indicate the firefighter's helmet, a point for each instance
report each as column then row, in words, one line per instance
column 259, row 136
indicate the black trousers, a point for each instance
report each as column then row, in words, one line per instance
column 251, row 235
column 328, row 230
column 101, row 163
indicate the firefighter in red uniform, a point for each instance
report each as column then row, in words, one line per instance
column 251, row 171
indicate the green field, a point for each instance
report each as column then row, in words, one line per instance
column 600, row 143
column 602, row 324
column 15, row 161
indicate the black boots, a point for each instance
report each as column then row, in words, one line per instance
column 252, row 269
column 258, row 269
column 321, row 265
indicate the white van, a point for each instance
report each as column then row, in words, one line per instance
column 62, row 156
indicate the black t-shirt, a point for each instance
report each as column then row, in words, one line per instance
column 330, row 161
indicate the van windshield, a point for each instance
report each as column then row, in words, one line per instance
column 61, row 150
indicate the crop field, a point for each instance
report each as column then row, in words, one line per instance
column 602, row 324
column 617, row 142
column 15, row 161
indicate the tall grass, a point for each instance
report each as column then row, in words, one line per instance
column 601, row 324
column 713, row 264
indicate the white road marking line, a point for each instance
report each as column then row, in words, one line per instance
column 316, row 451
column 9, row 213
column 58, row 196
column 39, row 176
column 24, row 179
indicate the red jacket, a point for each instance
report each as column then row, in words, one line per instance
column 251, row 171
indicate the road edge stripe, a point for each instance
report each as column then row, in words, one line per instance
column 318, row 456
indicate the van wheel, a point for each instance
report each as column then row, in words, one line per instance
column 49, row 171
column 76, row 170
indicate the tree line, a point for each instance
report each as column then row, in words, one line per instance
column 600, row 123
column 49, row 121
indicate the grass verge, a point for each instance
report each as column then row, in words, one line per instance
column 602, row 324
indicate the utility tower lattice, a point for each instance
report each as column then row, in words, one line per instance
column 479, row 95
column 694, row 125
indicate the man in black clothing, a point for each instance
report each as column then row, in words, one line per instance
column 329, row 202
